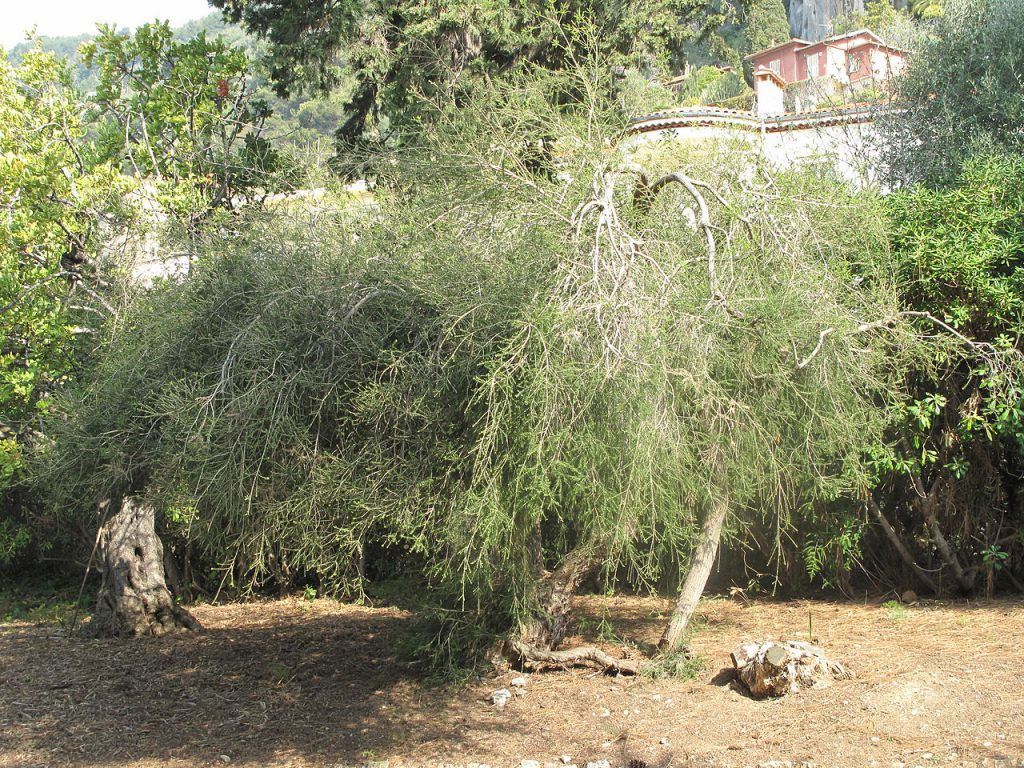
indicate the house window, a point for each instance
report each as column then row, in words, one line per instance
column 775, row 66
column 813, row 64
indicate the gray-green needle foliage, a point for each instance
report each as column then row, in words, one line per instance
column 519, row 354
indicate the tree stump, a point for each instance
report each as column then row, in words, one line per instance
column 774, row 669
column 134, row 599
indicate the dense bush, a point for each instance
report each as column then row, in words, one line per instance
column 527, row 353
column 958, row 463
column 961, row 93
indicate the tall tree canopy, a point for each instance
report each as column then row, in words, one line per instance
column 403, row 52
column 767, row 24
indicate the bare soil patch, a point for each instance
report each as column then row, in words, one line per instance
column 314, row 684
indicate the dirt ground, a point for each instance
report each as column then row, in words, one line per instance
column 318, row 684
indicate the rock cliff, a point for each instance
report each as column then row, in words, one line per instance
column 812, row 19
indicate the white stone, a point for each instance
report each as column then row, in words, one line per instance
column 500, row 698
column 529, row 764
column 517, row 682
column 598, row 764
column 565, row 759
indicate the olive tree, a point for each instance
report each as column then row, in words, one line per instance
column 960, row 94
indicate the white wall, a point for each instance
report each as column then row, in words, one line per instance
column 848, row 148
column 770, row 97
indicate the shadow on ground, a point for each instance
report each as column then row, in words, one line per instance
column 324, row 684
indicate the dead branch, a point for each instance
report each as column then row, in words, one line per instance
column 983, row 347
column 704, row 222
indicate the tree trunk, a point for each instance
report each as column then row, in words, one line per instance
column 133, row 598
column 697, row 578
column 927, row 503
column 547, row 627
column 543, row 632
column 573, row 656
column 899, row 546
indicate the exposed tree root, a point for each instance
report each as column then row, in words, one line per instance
column 584, row 655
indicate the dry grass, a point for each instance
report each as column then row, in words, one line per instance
column 291, row 683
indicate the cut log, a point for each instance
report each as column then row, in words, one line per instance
column 772, row 669
column 134, row 599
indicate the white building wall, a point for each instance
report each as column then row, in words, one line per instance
column 847, row 148
column 770, row 97
column 835, row 65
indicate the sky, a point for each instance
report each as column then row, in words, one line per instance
column 76, row 17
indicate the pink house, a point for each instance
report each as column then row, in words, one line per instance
column 853, row 60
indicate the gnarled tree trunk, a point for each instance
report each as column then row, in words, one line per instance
column 549, row 623
column 540, row 636
column 134, row 599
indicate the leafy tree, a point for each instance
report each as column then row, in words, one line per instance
column 955, row 464
column 961, row 92
column 881, row 17
column 525, row 367
column 66, row 49
column 48, row 299
column 927, row 9
column 957, row 461
column 709, row 85
column 401, row 54
column 182, row 112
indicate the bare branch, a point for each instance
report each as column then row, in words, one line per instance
column 704, row 221
column 573, row 656
column 814, row 352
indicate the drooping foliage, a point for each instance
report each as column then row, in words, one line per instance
column 527, row 351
